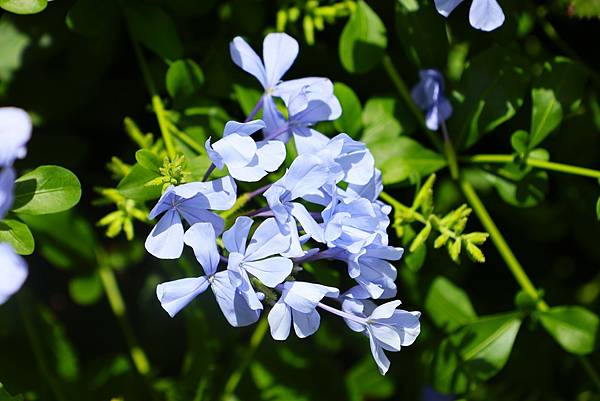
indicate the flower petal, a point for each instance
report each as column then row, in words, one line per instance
column 165, row 241
column 233, row 304
column 304, row 297
column 383, row 363
column 176, row 295
column 385, row 311
column 219, row 194
column 288, row 89
column 201, row 237
column 486, row 15
column 13, row 272
column 307, row 222
column 245, row 129
column 247, row 59
column 280, row 321
column 236, row 150
column 445, row 7
column 279, row 52
column 306, row 175
column 235, row 238
column 271, row 154
column 306, row 324
column 270, row 271
column 15, row 131
column 267, row 240
column 7, row 196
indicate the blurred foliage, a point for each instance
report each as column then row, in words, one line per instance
column 528, row 91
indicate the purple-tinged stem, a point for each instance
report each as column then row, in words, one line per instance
column 343, row 314
column 210, row 169
column 259, row 191
column 254, row 110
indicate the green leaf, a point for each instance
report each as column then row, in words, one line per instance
column 365, row 383
column 403, row 157
column 148, row 160
column 18, row 235
column 155, row 29
column 573, row 327
column 45, row 190
column 493, row 88
column 184, row 79
column 380, row 121
column 13, row 44
column 133, row 185
column 519, row 140
column 545, row 116
column 421, row 34
column 567, row 79
column 5, row 396
column 246, row 97
column 363, row 40
column 585, row 8
column 598, row 209
column 447, row 374
column 485, row 344
column 350, row 121
column 24, row 6
column 86, row 290
column 448, row 306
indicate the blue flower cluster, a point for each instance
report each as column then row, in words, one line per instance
column 324, row 207
column 15, row 131
column 485, row 15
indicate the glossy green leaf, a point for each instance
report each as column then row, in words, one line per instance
column 545, row 117
column 379, row 120
column 493, row 87
column 24, row 6
column 148, row 160
column 133, row 185
column 485, row 344
column 363, row 40
column 573, row 327
column 403, row 157
column 350, row 121
column 155, row 29
column 448, row 306
column 13, row 43
column 447, row 374
column 45, row 190
column 598, row 209
column 567, row 79
column 184, row 79
column 519, row 141
column 18, row 235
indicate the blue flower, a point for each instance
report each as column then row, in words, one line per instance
column 485, row 15
column 175, row 295
column 387, row 327
column 304, row 178
column 245, row 159
column 258, row 258
column 298, row 303
column 15, row 131
column 192, row 202
column 13, row 272
column 7, row 196
column 279, row 52
column 428, row 94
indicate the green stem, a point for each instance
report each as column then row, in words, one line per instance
column 590, row 370
column 449, row 152
column 38, row 350
column 236, row 376
column 546, row 165
column 115, row 300
column 185, row 138
column 404, row 92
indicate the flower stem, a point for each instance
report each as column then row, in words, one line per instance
column 546, row 165
column 449, row 152
column 236, row 376
column 255, row 110
column 404, row 92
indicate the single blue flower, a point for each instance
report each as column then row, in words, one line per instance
column 15, row 131
column 258, row 258
column 304, row 178
column 279, row 52
column 13, row 272
column 485, row 15
column 175, row 295
column 387, row 327
column 298, row 303
column 428, row 94
column 245, row 159
column 191, row 201
column 7, row 184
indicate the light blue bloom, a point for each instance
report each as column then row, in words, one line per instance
column 279, row 52
column 15, row 131
column 428, row 94
column 304, row 178
column 245, row 159
column 7, row 196
column 13, row 272
column 175, row 295
column 388, row 328
column 297, row 304
column 191, row 201
column 485, row 15
column 258, row 258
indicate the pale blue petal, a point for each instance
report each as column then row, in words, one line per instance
column 267, row 240
column 245, row 129
column 280, row 321
column 308, row 140
column 193, row 215
column 247, row 59
column 445, row 7
column 270, row 271
column 279, row 52
column 407, row 324
column 237, row 276
column 383, row 363
column 166, row 202
column 274, row 120
column 235, row 238
column 289, row 89
column 214, row 157
column 271, row 154
column 294, row 249
column 277, row 198
column 176, row 295
column 319, row 109
column 13, row 272
column 306, row 324
column 7, row 196
column 355, row 307
column 236, row 150
column 234, row 306
column 304, row 297
column 370, row 190
column 386, row 336
column 15, row 131
column 385, row 311
column 307, row 222
column 165, row 241
column 219, row 194
column 250, row 173
column 378, row 277
column 201, row 237
column 486, row 15
column 306, row 175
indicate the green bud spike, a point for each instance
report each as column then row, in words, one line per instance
column 441, row 240
column 474, row 252
column 421, row 237
column 454, row 249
